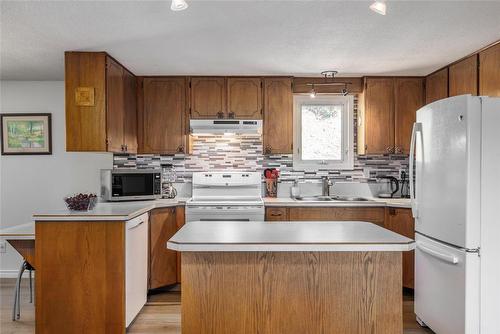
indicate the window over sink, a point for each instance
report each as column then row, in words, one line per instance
column 323, row 132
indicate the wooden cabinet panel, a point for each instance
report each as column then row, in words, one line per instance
column 180, row 218
column 130, row 111
column 436, row 86
column 276, row 214
column 208, row 97
column 371, row 214
column 100, row 104
column 489, row 71
column 379, row 115
column 162, row 116
column 85, row 72
column 401, row 221
column 278, row 115
column 163, row 261
column 300, row 85
column 409, row 97
column 80, row 277
column 244, row 98
column 463, row 77
column 115, row 105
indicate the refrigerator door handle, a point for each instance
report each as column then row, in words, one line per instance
column 417, row 127
column 449, row 258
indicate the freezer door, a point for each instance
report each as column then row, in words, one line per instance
column 447, row 179
column 446, row 287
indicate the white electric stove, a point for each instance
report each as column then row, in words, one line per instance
column 226, row 196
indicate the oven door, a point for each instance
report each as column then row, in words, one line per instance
column 224, row 213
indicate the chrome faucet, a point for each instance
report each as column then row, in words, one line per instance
column 326, row 184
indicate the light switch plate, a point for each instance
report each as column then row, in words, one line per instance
column 3, row 247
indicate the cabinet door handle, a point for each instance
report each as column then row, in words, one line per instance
column 276, row 214
column 180, row 149
column 268, row 149
column 231, row 115
column 220, row 114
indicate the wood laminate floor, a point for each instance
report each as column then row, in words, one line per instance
column 162, row 313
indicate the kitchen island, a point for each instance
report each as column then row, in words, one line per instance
column 290, row 277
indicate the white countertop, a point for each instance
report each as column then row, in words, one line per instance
column 109, row 211
column 23, row 231
column 120, row 211
column 372, row 202
column 286, row 236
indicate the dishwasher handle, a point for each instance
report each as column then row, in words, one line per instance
column 136, row 225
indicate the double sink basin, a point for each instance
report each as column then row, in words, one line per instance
column 330, row 198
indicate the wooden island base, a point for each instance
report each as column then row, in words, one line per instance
column 291, row 292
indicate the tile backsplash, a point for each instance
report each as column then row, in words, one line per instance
column 244, row 152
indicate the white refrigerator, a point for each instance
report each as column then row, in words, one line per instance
column 455, row 195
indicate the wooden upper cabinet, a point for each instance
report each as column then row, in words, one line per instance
column 379, row 115
column 409, row 97
column 162, row 118
column 244, row 98
column 162, row 261
column 100, row 103
column 85, row 90
column 208, row 97
column 130, row 112
column 115, row 106
column 278, row 115
column 436, row 86
column 489, row 71
column 463, row 77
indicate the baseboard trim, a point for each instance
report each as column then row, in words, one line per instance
column 13, row 273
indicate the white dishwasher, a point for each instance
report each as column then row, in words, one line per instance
column 136, row 266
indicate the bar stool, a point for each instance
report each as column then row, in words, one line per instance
column 26, row 248
column 16, row 310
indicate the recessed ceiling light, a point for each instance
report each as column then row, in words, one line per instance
column 379, row 7
column 178, row 5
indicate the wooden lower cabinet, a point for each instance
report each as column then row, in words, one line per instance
column 163, row 262
column 369, row 214
column 276, row 214
column 401, row 221
column 80, row 277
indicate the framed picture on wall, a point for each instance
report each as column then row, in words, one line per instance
column 26, row 134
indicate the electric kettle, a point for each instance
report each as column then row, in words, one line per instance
column 394, row 185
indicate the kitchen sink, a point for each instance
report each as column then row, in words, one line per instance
column 313, row 198
column 349, row 198
column 330, row 198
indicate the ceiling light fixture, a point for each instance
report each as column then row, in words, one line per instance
column 379, row 7
column 329, row 80
column 178, row 5
column 312, row 93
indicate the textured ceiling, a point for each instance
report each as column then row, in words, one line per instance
column 245, row 37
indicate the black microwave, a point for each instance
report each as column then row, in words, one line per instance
column 130, row 184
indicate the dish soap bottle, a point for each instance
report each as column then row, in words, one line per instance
column 295, row 190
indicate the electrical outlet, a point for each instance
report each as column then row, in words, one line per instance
column 3, row 247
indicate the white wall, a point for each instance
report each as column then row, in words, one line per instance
column 33, row 183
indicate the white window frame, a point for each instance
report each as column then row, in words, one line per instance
column 347, row 161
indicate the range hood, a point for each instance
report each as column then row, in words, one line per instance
column 221, row 126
